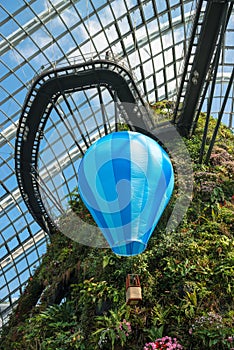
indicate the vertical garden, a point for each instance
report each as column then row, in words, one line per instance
column 76, row 298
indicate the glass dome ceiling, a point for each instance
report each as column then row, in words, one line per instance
column 149, row 37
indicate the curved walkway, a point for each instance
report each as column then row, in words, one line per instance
column 41, row 100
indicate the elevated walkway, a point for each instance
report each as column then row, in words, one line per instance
column 47, row 88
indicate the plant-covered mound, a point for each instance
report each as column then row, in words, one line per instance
column 76, row 298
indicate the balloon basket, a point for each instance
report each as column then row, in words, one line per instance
column 133, row 289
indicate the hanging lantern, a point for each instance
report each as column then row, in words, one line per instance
column 133, row 289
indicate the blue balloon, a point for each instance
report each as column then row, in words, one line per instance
column 126, row 180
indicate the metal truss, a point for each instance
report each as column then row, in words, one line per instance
column 200, row 69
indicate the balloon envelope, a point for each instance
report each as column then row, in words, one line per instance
column 126, row 180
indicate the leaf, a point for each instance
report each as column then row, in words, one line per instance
column 100, row 330
column 106, row 260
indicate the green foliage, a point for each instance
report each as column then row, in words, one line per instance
column 112, row 329
column 186, row 277
column 212, row 331
column 162, row 110
column 54, row 328
column 77, row 206
column 97, row 292
column 154, row 332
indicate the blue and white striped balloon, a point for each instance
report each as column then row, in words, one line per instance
column 126, row 180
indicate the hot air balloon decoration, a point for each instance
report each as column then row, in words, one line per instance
column 126, row 180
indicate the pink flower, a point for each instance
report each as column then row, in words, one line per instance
column 166, row 343
column 129, row 326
